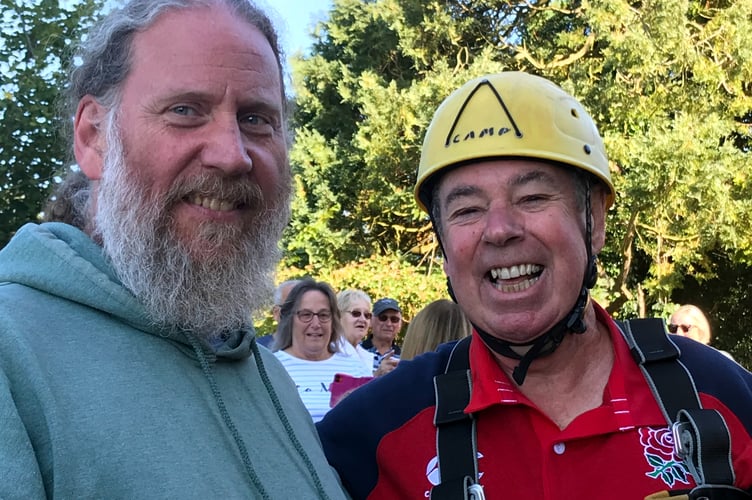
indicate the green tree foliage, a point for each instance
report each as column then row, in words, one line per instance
column 35, row 36
column 725, row 299
column 677, row 125
column 668, row 81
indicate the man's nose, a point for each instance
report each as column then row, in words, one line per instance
column 502, row 224
column 225, row 148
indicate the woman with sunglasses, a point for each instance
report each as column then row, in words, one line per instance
column 355, row 310
column 307, row 344
column 689, row 321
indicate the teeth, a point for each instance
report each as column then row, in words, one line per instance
column 212, row 203
column 517, row 287
column 506, row 273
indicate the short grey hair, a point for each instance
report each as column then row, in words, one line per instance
column 281, row 288
column 345, row 298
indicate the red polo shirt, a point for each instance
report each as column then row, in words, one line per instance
column 621, row 450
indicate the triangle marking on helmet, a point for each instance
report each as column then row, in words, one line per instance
column 495, row 121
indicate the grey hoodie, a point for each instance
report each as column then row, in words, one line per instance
column 95, row 403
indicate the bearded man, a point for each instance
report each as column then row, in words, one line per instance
column 128, row 364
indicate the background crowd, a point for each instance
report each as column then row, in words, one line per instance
column 322, row 337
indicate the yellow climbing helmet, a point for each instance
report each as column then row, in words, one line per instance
column 510, row 114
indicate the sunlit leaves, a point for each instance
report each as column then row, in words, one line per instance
column 36, row 43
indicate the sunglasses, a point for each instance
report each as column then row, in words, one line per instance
column 675, row 328
column 357, row 314
column 394, row 319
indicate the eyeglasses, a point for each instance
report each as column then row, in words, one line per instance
column 675, row 328
column 306, row 316
column 356, row 314
column 384, row 318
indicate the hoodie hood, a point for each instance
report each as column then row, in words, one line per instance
column 61, row 260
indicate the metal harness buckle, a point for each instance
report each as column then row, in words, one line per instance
column 682, row 434
column 475, row 492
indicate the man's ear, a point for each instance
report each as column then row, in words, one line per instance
column 89, row 141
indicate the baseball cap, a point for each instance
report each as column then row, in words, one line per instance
column 385, row 304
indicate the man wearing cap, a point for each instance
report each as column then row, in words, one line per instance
column 545, row 401
column 386, row 323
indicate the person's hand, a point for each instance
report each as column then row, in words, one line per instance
column 388, row 363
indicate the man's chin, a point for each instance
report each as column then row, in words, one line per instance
column 203, row 245
column 202, row 251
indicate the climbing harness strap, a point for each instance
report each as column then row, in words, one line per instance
column 701, row 437
column 456, row 443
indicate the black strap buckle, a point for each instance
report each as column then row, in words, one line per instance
column 461, row 488
column 702, row 440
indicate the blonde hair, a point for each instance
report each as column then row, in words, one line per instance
column 438, row 322
column 345, row 298
column 688, row 314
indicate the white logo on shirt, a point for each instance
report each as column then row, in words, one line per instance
column 434, row 476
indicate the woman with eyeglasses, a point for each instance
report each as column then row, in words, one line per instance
column 355, row 310
column 307, row 344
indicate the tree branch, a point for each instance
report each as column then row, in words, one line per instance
column 558, row 62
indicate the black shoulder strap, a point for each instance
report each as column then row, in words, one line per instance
column 701, row 437
column 658, row 357
column 456, row 443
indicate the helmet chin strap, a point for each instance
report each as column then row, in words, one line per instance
column 545, row 344
column 573, row 322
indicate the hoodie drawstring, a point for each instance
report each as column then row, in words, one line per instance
column 206, row 368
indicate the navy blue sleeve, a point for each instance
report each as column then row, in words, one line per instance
column 352, row 430
column 718, row 376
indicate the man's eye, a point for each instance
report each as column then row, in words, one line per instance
column 183, row 110
column 534, row 198
column 256, row 120
column 465, row 211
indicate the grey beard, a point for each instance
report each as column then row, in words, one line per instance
column 208, row 294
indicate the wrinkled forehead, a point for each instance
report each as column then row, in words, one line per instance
column 512, row 172
column 180, row 41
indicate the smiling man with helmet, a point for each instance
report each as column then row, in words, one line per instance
column 515, row 178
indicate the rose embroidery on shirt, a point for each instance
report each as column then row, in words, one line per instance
column 658, row 445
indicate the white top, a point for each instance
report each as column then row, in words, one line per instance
column 359, row 353
column 312, row 378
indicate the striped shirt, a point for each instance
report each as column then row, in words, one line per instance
column 312, row 378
